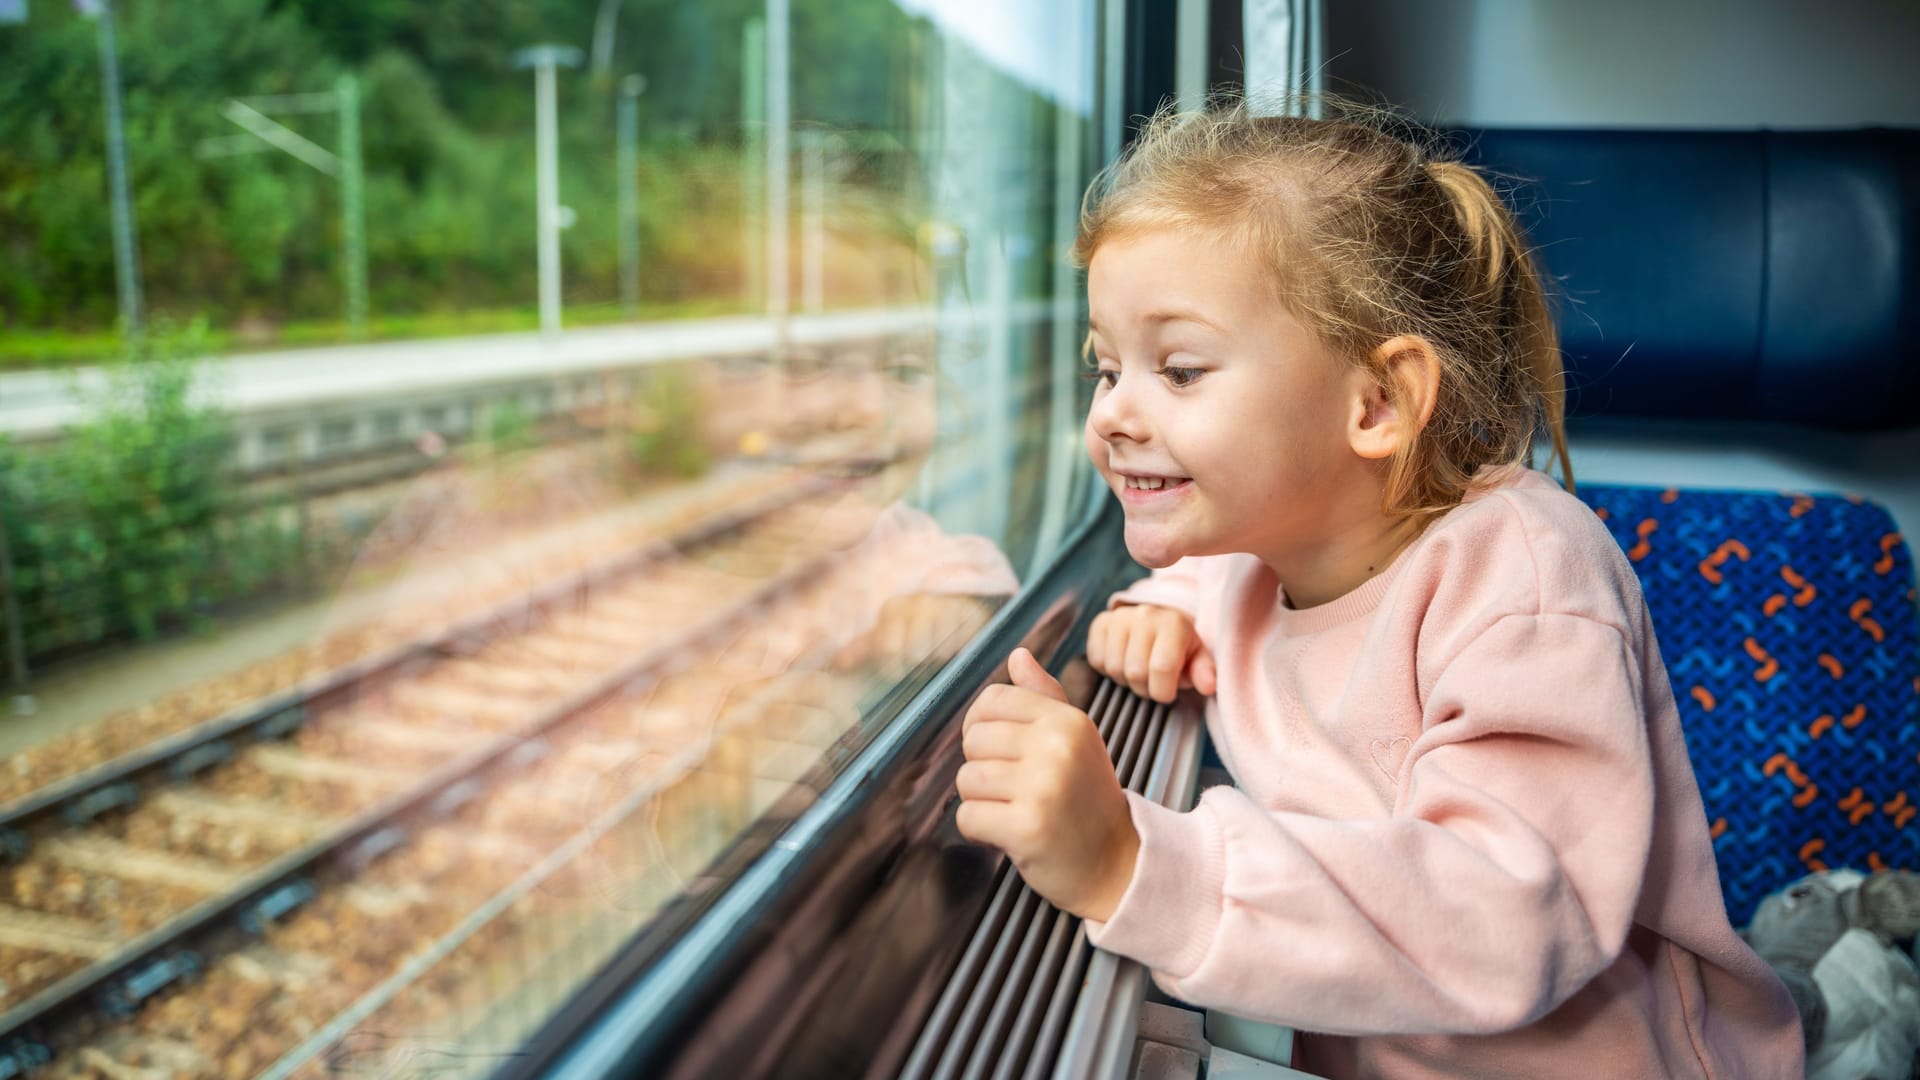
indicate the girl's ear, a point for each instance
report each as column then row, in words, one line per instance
column 1393, row 396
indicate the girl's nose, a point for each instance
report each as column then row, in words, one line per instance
column 862, row 404
column 1115, row 415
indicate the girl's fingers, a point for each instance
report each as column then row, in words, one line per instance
column 908, row 631
column 1097, row 641
column 984, row 822
column 935, row 624
column 1164, row 664
column 995, row 781
column 1206, row 677
column 1113, row 647
column 992, row 740
column 1139, row 661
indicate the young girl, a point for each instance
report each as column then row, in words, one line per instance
column 1466, row 838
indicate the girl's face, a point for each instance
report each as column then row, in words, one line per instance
column 1219, row 421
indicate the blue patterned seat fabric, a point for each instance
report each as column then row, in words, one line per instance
column 1788, row 626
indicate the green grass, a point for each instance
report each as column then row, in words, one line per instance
column 41, row 349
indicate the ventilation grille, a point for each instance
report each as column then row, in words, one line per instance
column 1031, row 998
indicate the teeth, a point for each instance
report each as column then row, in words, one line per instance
column 1147, row 483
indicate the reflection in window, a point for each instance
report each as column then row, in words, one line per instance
column 437, row 714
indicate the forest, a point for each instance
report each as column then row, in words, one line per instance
column 250, row 245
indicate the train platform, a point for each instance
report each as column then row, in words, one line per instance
column 38, row 404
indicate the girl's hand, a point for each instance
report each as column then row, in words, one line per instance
column 1153, row 651
column 916, row 627
column 1039, row 786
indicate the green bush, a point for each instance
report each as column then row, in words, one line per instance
column 667, row 439
column 131, row 524
column 508, row 429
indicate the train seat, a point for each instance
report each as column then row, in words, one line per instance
column 1788, row 627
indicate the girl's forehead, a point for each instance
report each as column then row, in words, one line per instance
column 1173, row 270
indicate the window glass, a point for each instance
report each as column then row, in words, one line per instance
column 461, row 466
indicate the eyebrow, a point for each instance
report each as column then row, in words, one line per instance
column 1167, row 315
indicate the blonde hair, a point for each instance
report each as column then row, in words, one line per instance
column 1366, row 237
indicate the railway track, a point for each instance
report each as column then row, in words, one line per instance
column 425, row 583
column 414, row 790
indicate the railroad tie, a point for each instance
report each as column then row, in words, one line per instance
column 235, row 811
column 113, row 858
column 23, row 929
column 556, row 652
column 460, row 704
column 288, row 762
column 400, row 735
column 519, row 680
column 160, row 1057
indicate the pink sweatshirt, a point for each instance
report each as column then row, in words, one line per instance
column 1467, row 840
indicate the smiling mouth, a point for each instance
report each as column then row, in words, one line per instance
column 1151, row 483
column 852, row 468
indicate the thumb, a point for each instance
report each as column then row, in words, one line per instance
column 1206, row 678
column 1027, row 674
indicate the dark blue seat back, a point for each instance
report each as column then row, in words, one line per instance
column 1757, row 275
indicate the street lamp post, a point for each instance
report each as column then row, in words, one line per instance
column 779, row 123
column 551, row 216
column 753, row 124
column 126, row 245
column 628, row 162
column 353, row 213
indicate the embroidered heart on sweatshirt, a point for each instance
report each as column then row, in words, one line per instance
column 1389, row 753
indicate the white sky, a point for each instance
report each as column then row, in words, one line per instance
column 1047, row 44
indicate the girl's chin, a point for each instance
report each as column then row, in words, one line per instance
column 1152, row 547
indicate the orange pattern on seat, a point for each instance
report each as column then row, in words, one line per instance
column 1884, row 565
column 1710, row 566
column 1858, row 806
column 1806, row 592
column 1860, row 617
column 1639, row 550
column 1808, row 792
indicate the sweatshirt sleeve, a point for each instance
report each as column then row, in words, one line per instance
column 1503, row 880
column 1176, row 587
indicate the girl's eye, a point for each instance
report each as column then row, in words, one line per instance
column 906, row 374
column 1101, row 377
column 1181, row 376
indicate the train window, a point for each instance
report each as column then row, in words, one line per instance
column 718, row 367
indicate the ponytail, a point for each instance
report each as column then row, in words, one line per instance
column 1501, row 270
